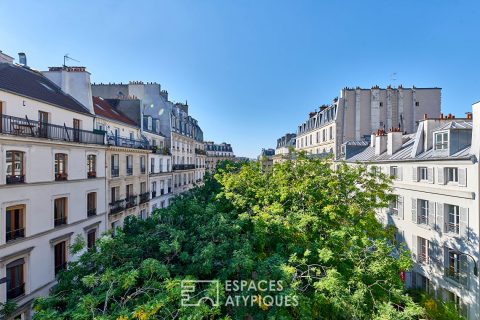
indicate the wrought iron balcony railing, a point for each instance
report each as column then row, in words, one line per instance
column 31, row 128
column 154, row 194
column 60, row 221
column 92, row 174
column 129, row 171
column 116, row 206
column 130, row 202
column 183, row 166
column 127, row 143
column 144, row 197
column 15, row 234
column 91, row 212
column 13, row 179
column 115, row 171
column 17, row 291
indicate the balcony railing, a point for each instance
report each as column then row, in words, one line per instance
column 142, row 170
column 452, row 227
column 422, row 258
column 200, row 151
column 30, row 128
column 16, row 292
column 162, row 192
column 117, row 206
column 154, row 194
column 129, row 171
column 115, row 171
column 423, row 219
column 15, row 234
column 13, row 179
column 183, row 166
column 453, row 274
column 159, row 150
column 126, row 142
column 144, row 197
column 61, row 176
column 130, row 202
column 91, row 212
column 60, row 221
column 92, row 174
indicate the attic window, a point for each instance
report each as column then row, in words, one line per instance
column 441, row 141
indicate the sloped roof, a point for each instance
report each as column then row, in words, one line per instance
column 104, row 109
column 468, row 125
column 32, row 84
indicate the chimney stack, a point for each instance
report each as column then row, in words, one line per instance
column 22, row 59
column 380, row 142
column 394, row 141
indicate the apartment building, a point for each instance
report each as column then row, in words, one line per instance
column 284, row 145
column 266, row 158
column 126, row 164
column 159, row 165
column 52, row 182
column 357, row 112
column 217, row 152
column 436, row 210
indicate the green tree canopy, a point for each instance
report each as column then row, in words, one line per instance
column 305, row 224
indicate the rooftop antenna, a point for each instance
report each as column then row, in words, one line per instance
column 67, row 57
column 393, row 77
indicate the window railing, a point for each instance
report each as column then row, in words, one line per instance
column 115, row 171
column 154, row 194
column 15, row 292
column 452, row 273
column 142, row 170
column 423, row 219
column 422, row 258
column 130, row 202
column 60, row 267
column 162, row 192
column 116, row 206
column 129, row 171
column 13, row 179
column 31, row 128
column 60, row 221
column 183, row 166
column 15, row 234
column 61, row 176
column 127, row 143
column 144, row 197
column 452, row 227
column 91, row 212
column 91, row 174
column 200, row 151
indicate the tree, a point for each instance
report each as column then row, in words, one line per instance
column 302, row 224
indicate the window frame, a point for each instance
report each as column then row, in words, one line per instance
column 60, row 218
column 441, row 144
column 13, row 220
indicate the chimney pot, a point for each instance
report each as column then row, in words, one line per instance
column 22, row 59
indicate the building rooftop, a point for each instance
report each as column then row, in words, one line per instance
column 104, row 109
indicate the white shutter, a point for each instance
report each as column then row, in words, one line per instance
column 464, row 223
column 441, row 175
column 445, row 259
column 432, row 251
column 430, row 175
column 464, row 272
column 431, row 214
column 462, row 177
column 414, row 174
column 414, row 211
column 414, row 247
column 440, row 217
column 400, row 207
column 399, row 173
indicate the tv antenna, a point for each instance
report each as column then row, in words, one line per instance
column 393, row 77
column 67, row 57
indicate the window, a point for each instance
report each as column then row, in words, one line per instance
column 423, row 173
column 422, row 250
column 142, row 164
column 15, row 278
column 422, row 211
column 452, row 174
column 129, row 165
column 129, row 192
column 76, row 130
column 91, row 204
column 60, row 252
column 381, row 104
column 330, row 133
column 114, row 164
column 143, row 214
column 394, row 206
column 132, row 136
column 61, row 166
column 43, row 124
column 15, row 223
column 91, row 166
column 115, row 194
column 149, row 123
column 394, row 172
column 15, row 167
column 417, row 104
column 154, row 189
column 60, row 211
column 91, row 238
column 453, row 222
column 152, row 165
column 441, row 141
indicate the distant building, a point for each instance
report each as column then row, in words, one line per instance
column 266, row 158
column 359, row 112
column 284, row 146
column 217, row 152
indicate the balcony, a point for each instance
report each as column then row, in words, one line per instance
column 200, row 152
column 115, row 171
column 91, row 212
column 61, row 176
column 158, row 150
column 116, row 206
column 92, row 174
column 130, row 202
column 129, row 171
column 16, row 292
column 126, row 142
column 14, row 179
column 30, row 128
column 15, row 234
column 177, row 167
column 144, row 197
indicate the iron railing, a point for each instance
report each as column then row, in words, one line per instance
column 154, row 194
column 60, row 221
column 13, row 179
column 116, row 206
column 144, row 197
column 91, row 212
column 15, row 234
column 130, row 202
column 126, row 142
column 61, row 176
column 92, row 174
column 183, row 166
column 16, row 292
column 31, row 128
column 129, row 171
column 115, row 171
column 452, row 227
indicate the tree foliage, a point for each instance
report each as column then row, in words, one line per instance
column 302, row 223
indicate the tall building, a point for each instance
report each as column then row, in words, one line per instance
column 284, row 146
column 52, row 182
column 217, row 152
column 266, row 158
column 435, row 212
column 359, row 112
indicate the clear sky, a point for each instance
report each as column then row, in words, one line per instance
column 251, row 70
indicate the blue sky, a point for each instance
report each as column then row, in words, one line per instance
column 252, row 70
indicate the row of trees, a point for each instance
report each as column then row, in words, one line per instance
column 304, row 225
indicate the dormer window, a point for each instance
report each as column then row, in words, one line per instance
column 441, row 141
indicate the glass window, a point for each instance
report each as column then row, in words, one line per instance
column 441, row 141
column 114, row 165
column 91, row 238
column 92, row 166
column 142, row 164
column 422, row 250
column 394, row 172
column 129, row 165
column 15, row 167
column 423, row 173
column 61, row 166
column 453, row 222
column 15, row 223
column 15, row 279
column 394, row 206
column 60, row 256
column 60, row 211
column 91, row 204
column 452, row 174
column 422, row 211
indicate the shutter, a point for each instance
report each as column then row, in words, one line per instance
column 441, row 176
column 464, row 272
column 414, row 280
column 399, row 173
column 440, row 217
column 432, row 252
column 400, row 207
column 462, row 177
column 414, row 247
column 431, row 214
column 464, row 223
column 414, row 174
column 445, row 260
column 414, row 210
column 430, row 175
